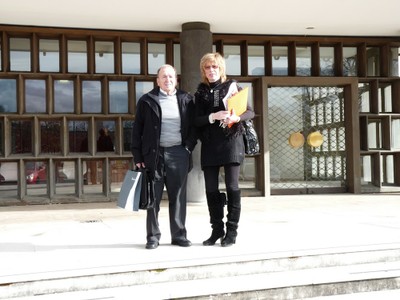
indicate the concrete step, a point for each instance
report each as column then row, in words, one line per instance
column 280, row 277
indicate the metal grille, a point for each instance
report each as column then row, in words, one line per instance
column 299, row 119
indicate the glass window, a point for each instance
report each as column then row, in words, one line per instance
column 8, row 95
column 50, row 136
column 156, row 57
column 326, row 61
column 1, row 65
column 1, row 140
column 232, row 59
column 364, row 94
column 9, row 176
column 374, row 134
column 64, row 96
column 65, row 177
column 92, row 175
column 280, row 63
column 177, row 58
column 118, row 171
column 373, row 61
column 303, row 60
column 394, row 61
column 77, row 56
column 385, row 97
column 20, row 54
column 256, row 60
column 104, row 57
column 396, row 133
column 127, row 135
column 118, row 96
column 366, row 169
column 21, row 137
column 49, row 55
column 349, row 61
column 130, row 58
column 91, row 96
column 387, row 169
column 143, row 87
column 36, row 173
column 78, row 136
column 105, row 136
column 35, row 96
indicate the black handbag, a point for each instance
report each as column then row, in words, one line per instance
column 147, row 193
column 250, row 138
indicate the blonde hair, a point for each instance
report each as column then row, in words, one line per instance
column 213, row 58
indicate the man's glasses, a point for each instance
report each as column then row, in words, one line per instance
column 211, row 67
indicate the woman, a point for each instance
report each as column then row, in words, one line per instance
column 221, row 134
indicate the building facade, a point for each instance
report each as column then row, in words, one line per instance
column 327, row 110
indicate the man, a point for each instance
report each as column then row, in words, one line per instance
column 162, row 141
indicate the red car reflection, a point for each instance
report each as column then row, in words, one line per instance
column 35, row 172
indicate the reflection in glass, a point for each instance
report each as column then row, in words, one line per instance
column 350, row 61
column 396, row 134
column 8, row 176
column 104, row 57
column 105, row 135
column 155, row 57
column 363, row 96
column 130, row 58
column 21, row 137
column 118, row 96
column 374, row 134
column 8, row 95
column 256, row 60
column 63, row 96
column 1, row 140
column 326, row 61
column 177, row 58
column 91, row 96
column 77, row 56
column 373, row 57
column 36, row 173
column 65, row 177
column 127, row 135
column 49, row 55
column 118, row 170
column 142, row 87
column 394, row 61
column 35, row 96
column 388, row 169
column 50, row 136
column 232, row 59
column 366, row 170
column 78, row 136
column 280, row 60
column 1, row 69
column 92, row 176
column 303, row 60
column 20, row 54
column 385, row 97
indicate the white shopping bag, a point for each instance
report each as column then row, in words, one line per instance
column 129, row 196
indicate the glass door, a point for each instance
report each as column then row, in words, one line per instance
column 306, row 136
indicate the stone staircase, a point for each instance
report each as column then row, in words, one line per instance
column 301, row 275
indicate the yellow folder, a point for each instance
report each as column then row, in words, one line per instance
column 238, row 102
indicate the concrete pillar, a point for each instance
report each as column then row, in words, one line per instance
column 195, row 41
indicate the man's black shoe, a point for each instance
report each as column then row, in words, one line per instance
column 182, row 243
column 151, row 245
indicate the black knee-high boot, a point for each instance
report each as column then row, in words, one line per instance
column 234, row 207
column 216, row 202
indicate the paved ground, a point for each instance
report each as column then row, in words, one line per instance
column 55, row 241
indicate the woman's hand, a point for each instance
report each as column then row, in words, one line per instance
column 140, row 165
column 221, row 115
column 232, row 118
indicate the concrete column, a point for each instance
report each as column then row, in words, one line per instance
column 196, row 40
